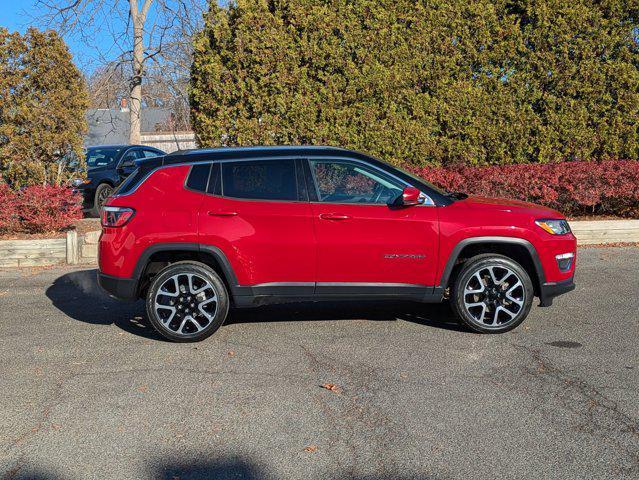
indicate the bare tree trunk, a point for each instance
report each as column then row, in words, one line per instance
column 137, row 19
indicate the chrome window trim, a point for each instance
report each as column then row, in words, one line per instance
column 284, row 157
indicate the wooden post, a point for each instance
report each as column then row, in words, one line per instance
column 72, row 247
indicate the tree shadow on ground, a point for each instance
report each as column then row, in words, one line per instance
column 78, row 296
column 234, row 467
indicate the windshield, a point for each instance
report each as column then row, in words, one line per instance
column 420, row 179
column 101, row 156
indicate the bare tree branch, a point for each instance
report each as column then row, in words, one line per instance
column 147, row 57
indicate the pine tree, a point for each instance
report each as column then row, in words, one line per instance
column 43, row 101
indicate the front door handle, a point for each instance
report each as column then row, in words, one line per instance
column 221, row 214
column 333, row 216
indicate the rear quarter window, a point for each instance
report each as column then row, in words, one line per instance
column 198, row 177
column 132, row 181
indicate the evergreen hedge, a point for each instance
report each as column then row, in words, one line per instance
column 441, row 82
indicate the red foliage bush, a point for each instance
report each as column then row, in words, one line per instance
column 48, row 208
column 574, row 188
column 38, row 209
column 9, row 221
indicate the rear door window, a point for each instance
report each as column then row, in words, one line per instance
column 150, row 153
column 260, row 180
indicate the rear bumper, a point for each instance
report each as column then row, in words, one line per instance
column 551, row 290
column 118, row 287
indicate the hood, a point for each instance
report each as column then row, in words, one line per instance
column 508, row 205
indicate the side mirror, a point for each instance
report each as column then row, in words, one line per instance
column 411, row 196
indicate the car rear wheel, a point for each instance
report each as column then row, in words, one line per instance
column 492, row 294
column 103, row 192
column 187, row 302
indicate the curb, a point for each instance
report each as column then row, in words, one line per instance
column 595, row 232
column 71, row 249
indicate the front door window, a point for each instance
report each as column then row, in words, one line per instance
column 345, row 182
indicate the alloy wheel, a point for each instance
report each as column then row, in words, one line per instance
column 494, row 296
column 186, row 303
column 103, row 194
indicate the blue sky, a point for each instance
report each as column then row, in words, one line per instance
column 18, row 15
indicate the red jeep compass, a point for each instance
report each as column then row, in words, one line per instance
column 196, row 232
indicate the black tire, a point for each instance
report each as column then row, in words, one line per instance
column 181, row 328
column 103, row 192
column 497, row 308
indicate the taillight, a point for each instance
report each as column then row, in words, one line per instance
column 116, row 216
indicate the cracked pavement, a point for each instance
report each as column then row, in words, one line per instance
column 88, row 390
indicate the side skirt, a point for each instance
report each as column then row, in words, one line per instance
column 278, row 293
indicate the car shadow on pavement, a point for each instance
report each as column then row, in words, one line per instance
column 432, row 315
column 78, row 296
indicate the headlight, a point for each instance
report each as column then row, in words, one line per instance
column 78, row 181
column 554, row 227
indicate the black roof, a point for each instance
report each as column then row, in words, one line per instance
column 121, row 145
column 226, row 153
column 106, row 146
column 240, row 153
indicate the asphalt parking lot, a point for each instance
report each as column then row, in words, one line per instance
column 87, row 390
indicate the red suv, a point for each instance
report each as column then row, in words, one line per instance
column 196, row 232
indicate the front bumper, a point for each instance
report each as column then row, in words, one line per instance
column 118, row 287
column 550, row 290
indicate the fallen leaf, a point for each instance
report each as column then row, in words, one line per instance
column 310, row 448
column 332, row 387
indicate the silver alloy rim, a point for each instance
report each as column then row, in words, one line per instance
column 185, row 304
column 494, row 296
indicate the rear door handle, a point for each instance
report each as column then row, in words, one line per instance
column 333, row 216
column 221, row 214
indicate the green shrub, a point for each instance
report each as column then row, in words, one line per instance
column 425, row 82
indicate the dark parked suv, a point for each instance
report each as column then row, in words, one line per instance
column 194, row 233
column 108, row 166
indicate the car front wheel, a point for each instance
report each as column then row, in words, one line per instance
column 187, row 302
column 492, row 294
